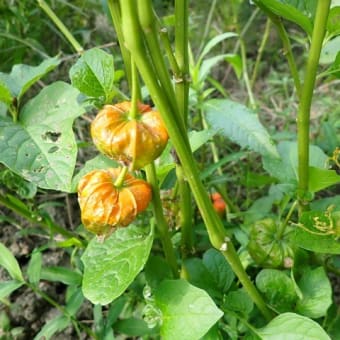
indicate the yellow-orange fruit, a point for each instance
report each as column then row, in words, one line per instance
column 133, row 142
column 218, row 203
column 104, row 206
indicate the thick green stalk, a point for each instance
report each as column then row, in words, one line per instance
column 162, row 225
column 186, row 211
column 148, row 21
column 182, row 56
column 63, row 29
column 213, row 224
column 303, row 116
column 114, row 8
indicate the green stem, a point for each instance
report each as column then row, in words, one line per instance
column 114, row 8
column 120, row 179
column 207, row 26
column 246, row 76
column 162, row 224
column 303, row 116
column 168, row 50
column 260, row 53
column 32, row 217
column 182, row 56
column 148, row 22
column 284, row 224
column 135, row 97
column 287, row 48
column 186, row 212
column 63, row 29
column 180, row 141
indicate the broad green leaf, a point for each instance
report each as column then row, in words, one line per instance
column 22, row 77
column 287, row 10
column 285, row 167
column 157, row 270
column 58, row 324
column 323, row 203
column 308, row 237
column 278, row 288
column 317, row 293
column 240, row 124
column 330, row 50
column 111, row 266
column 293, row 327
column 187, row 312
column 61, row 274
column 34, row 267
column 5, row 94
column 93, row 73
column 219, row 269
column 10, row 263
column 98, row 162
column 333, row 23
column 238, row 301
column 41, row 147
column 8, row 287
column 214, row 41
column 320, row 179
column 198, row 275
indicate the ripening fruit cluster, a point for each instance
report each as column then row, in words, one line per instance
column 133, row 142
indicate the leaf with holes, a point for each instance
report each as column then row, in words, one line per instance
column 112, row 265
column 240, row 124
column 41, row 146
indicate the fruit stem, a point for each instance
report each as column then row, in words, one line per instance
column 135, row 91
column 120, row 179
column 161, row 223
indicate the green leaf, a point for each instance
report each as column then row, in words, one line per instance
column 329, row 51
column 278, row 288
column 75, row 302
column 208, row 64
column 9, row 262
column 236, row 62
column 198, row 275
column 111, row 266
column 58, row 324
column 199, row 138
column 320, row 179
column 239, row 301
column 287, row 10
column 333, row 23
column 8, row 287
column 5, row 94
column 93, row 74
column 214, row 41
column 308, row 237
column 41, row 147
column 219, row 269
column 240, row 124
column 34, row 267
column 157, row 270
column 293, row 327
column 98, row 162
column 187, row 312
column 133, row 327
column 61, row 274
column 285, row 167
column 22, row 77
column 317, row 293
